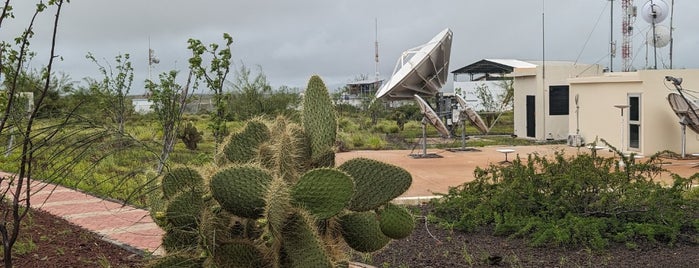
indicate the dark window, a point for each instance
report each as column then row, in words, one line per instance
column 634, row 136
column 558, row 100
column 633, row 108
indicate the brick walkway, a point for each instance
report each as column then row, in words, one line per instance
column 115, row 222
column 134, row 227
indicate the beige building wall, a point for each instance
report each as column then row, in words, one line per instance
column 659, row 127
column 533, row 82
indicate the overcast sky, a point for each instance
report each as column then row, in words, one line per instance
column 292, row 40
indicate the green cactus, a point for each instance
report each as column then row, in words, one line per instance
column 215, row 227
column 287, row 154
column 324, row 159
column 240, row 253
column 302, row 246
column 242, row 146
column 319, row 117
column 376, row 183
column 396, row 221
column 240, row 190
column 181, row 179
column 177, row 240
column 324, row 192
column 274, row 198
column 184, row 209
column 278, row 207
column 361, row 231
column 177, row 261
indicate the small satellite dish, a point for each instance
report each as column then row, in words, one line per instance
column 655, row 11
column 661, row 38
column 431, row 116
column 686, row 110
column 472, row 116
column 422, row 70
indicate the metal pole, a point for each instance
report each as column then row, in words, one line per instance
column 463, row 135
column 672, row 41
column 424, row 137
column 684, row 138
column 611, row 36
column 655, row 49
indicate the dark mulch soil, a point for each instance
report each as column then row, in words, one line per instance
column 431, row 246
column 58, row 243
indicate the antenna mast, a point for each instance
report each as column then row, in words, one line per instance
column 672, row 40
column 612, row 45
column 627, row 31
column 376, row 47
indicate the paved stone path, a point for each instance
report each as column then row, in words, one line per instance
column 118, row 223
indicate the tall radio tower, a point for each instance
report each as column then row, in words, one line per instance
column 627, row 23
column 376, row 48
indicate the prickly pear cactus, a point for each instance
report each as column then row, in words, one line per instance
column 274, row 198
column 319, row 119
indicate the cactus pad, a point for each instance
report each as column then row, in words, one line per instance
column 324, row 159
column 184, row 210
column 319, row 120
column 178, row 260
column 181, row 179
column 241, row 189
column 278, row 207
column 176, row 240
column 323, row 192
column 361, row 231
column 242, row 147
column 375, row 182
column 239, row 253
column 396, row 222
column 302, row 246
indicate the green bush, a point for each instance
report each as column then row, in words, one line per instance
column 375, row 142
column 585, row 200
column 386, row 127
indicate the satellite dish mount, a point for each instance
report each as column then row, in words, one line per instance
column 466, row 113
column 431, row 117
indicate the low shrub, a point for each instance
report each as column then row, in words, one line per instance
column 584, row 200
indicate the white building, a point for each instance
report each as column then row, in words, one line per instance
column 648, row 125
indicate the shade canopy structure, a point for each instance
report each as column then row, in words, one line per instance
column 420, row 71
column 493, row 66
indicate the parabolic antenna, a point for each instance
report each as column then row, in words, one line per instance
column 686, row 110
column 661, row 38
column 472, row 116
column 422, row 70
column 431, row 116
column 655, row 11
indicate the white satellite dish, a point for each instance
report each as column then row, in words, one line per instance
column 471, row 115
column 686, row 110
column 431, row 117
column 422, row 70
column 661, row 38
column 467, row 113
column 655, row 11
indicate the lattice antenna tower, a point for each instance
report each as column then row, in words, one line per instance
column 627, row 23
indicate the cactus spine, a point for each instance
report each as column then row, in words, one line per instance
column 273, row 198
